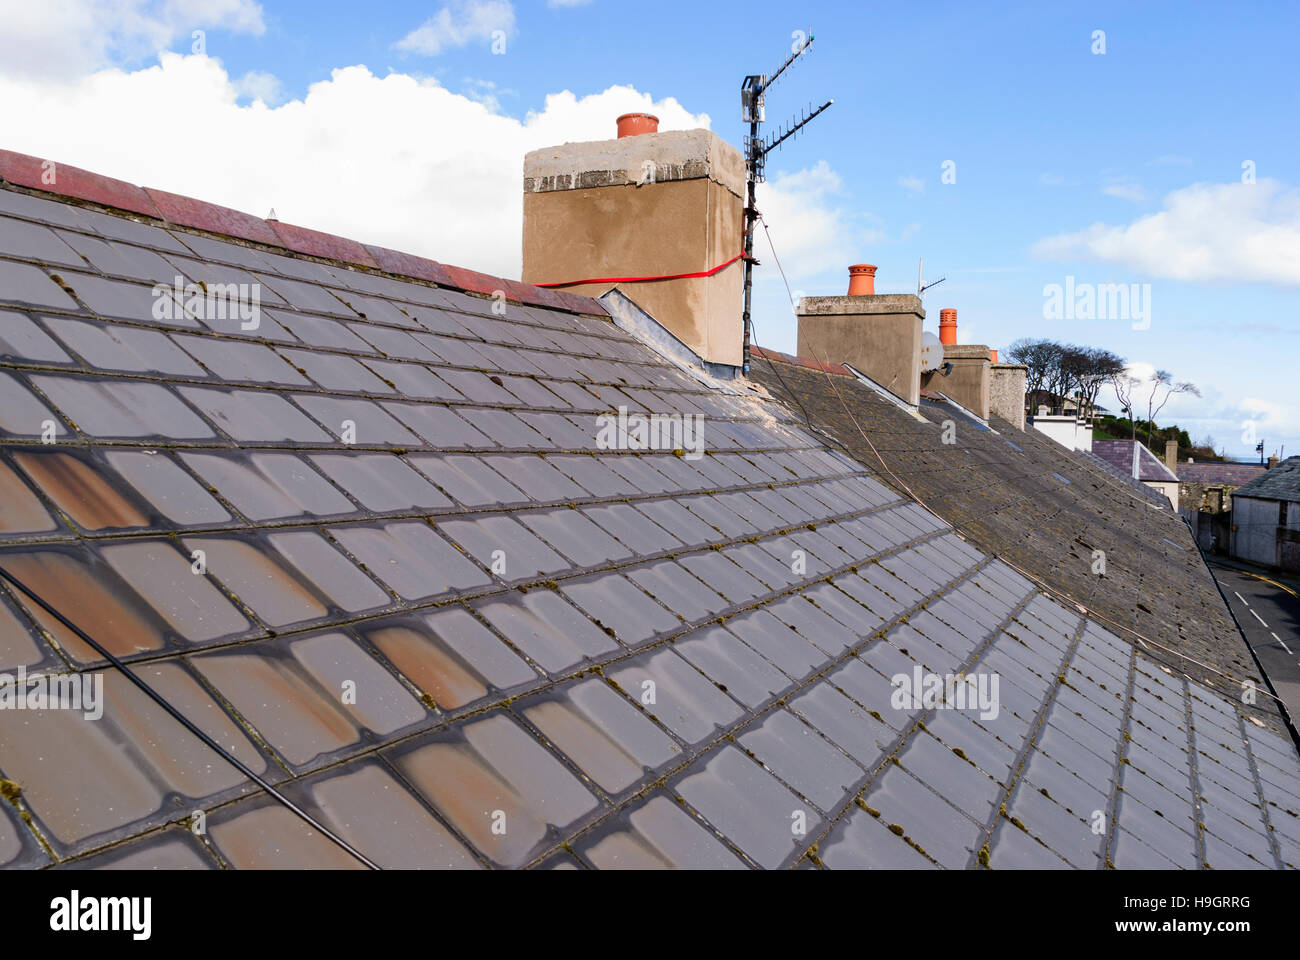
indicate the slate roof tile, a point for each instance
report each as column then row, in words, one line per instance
column 683, row 662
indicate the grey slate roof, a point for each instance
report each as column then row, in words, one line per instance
column 1213, row 473
column 1280, row 483
column 1023, row 497
column 1133, row 456
column 1134, row 484
column 619, row 657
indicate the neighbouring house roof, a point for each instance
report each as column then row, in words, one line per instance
column 1133, row 456
column 1040, row 396
column 1282, row 482
column 1133, row 484
column 478, row 636
column 1219, row 474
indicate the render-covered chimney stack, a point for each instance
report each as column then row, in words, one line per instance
column 1171, row 455
column 966, row 372
column 878, row 334
column 644, row 205
column 1007, row 390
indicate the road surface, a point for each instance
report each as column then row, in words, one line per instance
column 1268, row 610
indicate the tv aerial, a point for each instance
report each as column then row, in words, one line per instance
column 921, row 285
column 753, row 96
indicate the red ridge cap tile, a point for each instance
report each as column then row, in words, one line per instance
column 319, row 244
column 70, row 181
column 777, row 355
column 580, row 304
column 542, row 297
column 409, row 265
column 188, row 212
column 28, row 171
column 473, row 281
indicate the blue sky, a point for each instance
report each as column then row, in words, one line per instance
column 1046, row 137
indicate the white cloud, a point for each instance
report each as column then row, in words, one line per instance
column 815, row 241
column 1206, row 233
column 912, row 184
column 458, row 24
column 808, row 228
column 65, row 39
column 567, row 3
column 345, row 158
column 259, row 85
column 1125, row 191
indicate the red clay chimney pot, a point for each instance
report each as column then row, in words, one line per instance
column 993, row 356
column 862, row 279
column 635, row 124
column 948, row 326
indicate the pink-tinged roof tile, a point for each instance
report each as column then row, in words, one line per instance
column 409, row 265
column 319, row 244
column 542, row 297
column 70, row 181
column 581, row 304
column 188, row 212
column 473, row 281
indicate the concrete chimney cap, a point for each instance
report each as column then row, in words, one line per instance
column 674, row 155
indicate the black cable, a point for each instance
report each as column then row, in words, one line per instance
column 184, row 721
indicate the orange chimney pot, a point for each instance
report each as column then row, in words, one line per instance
column 635, row 124
column 993, row 356
column 862, row 280
column 948, row 327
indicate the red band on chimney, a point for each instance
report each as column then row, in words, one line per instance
column 671, row 276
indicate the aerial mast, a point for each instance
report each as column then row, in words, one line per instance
column 752, row 96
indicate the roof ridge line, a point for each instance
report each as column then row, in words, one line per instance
column 70, row 182
column 776, row 355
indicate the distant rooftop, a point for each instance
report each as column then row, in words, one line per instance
column 1280, row 483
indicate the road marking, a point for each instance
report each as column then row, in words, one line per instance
column 1283, row 642
column 1259, row 618
column 1241, row 598
column 1280, row 586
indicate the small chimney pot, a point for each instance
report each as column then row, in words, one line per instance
column 948, row 326
column 635, row 124
column 862, row 280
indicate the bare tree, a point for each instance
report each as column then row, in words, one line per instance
column 1099, row 368
column 1165, row 379
column 1039, row 356
column 1124, row 384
